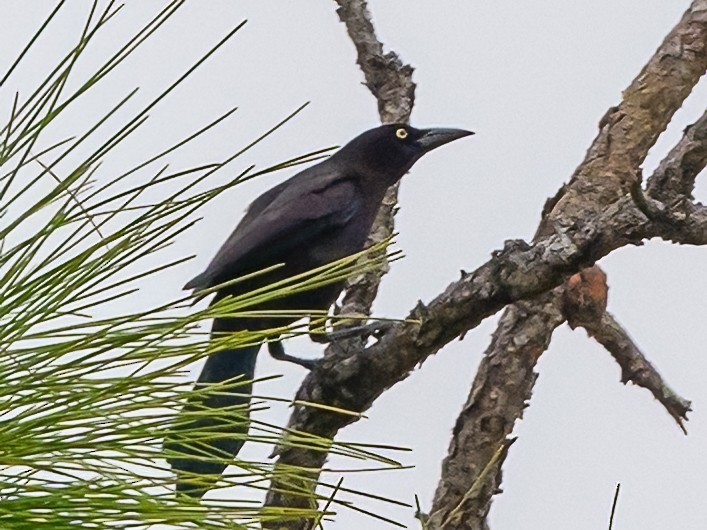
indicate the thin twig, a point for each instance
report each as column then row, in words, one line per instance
column 613, row 506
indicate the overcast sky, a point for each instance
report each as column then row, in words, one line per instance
column 532, row 78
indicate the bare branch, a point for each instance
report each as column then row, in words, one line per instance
column 390, row 82
column 387, row 77
column 610, row 166
column 676, row 174
column 629, row 130
column 353, row 378
column 584, row 305
column 668, row 200
column 501, row 390
column 635, row 368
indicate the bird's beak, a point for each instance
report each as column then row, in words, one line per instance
column 433, row 138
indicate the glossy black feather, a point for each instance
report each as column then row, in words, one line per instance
column 322, row 214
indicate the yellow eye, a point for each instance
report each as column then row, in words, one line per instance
column 401, row 133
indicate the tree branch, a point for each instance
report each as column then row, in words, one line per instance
column 674, row 179
column 584, row 305
column 607, row 172
column 635, row 367
column 352, row 379
column 629, row 130
column 500, row 393
column 387, row 77
column 390, row 82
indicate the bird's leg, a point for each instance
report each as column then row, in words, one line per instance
column 317, row 331
column 277, row 351
column 377, row 328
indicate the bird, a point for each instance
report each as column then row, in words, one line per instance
column 322, row 214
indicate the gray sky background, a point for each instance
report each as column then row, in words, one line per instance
column 532, row 78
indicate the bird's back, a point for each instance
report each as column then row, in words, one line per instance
column 315, row 217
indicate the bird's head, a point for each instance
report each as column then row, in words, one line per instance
column 389, row 151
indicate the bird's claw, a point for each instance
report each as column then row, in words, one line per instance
column 374, row 329
column 277, row 351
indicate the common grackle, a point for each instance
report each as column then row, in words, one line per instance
column 320, row 215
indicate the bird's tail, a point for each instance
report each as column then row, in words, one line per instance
column 212, row 426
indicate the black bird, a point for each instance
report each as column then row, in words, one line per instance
column 320, row 215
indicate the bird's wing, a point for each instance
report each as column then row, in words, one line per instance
column 298, row 214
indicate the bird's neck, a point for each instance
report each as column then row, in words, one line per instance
column 375, row 173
